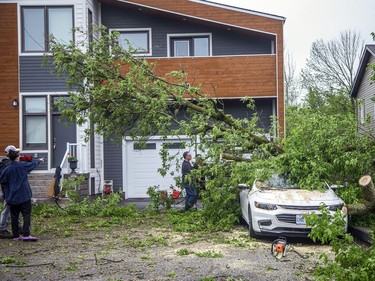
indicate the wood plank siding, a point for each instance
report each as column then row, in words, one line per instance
column 9, row 121
column 366, row 92
column 232, row 76
column 247, row 75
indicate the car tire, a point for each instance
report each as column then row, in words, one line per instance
column 251, row 229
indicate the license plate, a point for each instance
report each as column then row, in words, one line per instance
column 300, row 219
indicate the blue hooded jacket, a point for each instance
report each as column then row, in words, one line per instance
column 15, row 178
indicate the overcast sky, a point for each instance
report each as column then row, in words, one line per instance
column 309, row 20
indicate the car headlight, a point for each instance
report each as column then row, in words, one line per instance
column 265, row 206
column 336, row 207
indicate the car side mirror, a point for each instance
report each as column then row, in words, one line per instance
column 243, row 186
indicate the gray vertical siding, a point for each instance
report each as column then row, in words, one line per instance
column 113, row 164
column 366, row 92
column 263, row 107
column 37, row 78
column 224, row 42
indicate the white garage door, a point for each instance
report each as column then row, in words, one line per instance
column 142, row 167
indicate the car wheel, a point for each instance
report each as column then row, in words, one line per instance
column 251, row 229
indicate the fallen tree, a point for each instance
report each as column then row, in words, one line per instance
column 122, row 96
column 368, row 198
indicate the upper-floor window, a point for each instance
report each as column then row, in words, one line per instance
column 38, row 22
column 138, row 41
column 186, row 45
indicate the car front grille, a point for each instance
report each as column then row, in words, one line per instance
column 292, row 230
column 288, row 218
column 292, row 207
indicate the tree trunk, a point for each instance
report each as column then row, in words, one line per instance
column 369, row 198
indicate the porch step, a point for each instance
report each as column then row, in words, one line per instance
column 39, row 183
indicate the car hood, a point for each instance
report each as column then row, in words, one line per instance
column 295, row 196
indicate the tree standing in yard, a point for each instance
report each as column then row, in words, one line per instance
column 18, row 192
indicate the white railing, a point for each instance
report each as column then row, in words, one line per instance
column 79, row 151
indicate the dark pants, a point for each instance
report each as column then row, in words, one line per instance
column 191, row 197
column 25, row 210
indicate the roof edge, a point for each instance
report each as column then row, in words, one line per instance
column 368, row 50
column 195, row 17
column 239, row 9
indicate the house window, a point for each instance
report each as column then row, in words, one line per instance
column 144, row 146
column 90, row 27
column 361, row 111
column 137, row 41
column 190, row 46
column 35, row 123
column 38, row 22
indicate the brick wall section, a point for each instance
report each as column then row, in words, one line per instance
column 9, row 121
column 39, row 183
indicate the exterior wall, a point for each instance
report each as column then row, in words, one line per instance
column 113, row 157
column 240, row 39
column 366, row 92
column 253, row 76
column 37, row 78
column 113, row 169
column 9, row 123
column 214, row 15
column 224, row 42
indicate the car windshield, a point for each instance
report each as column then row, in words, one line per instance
column 276, row 181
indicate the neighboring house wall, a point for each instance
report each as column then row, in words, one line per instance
column 22, row 76
column 366, row 92
column 363, row 91
column 9, row 121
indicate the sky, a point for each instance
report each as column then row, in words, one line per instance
column 310, row 20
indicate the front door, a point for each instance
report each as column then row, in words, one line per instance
column 62, row 132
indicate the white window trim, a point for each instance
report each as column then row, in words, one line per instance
column 37, row 4
column 148, row 29
column 175, row 35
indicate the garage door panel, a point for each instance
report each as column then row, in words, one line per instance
column 142, row 169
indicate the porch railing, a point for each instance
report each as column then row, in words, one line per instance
column 79, row 151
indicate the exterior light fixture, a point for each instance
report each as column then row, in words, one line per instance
column 15, row 103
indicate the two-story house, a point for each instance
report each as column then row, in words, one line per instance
column 363, row 91
column 232, row 52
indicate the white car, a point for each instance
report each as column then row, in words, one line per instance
column 274, row 207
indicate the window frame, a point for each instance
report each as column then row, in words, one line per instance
column 190, row 37
column 147, row 30
column 361, row 111
column 39, row 146
column 46, row 26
